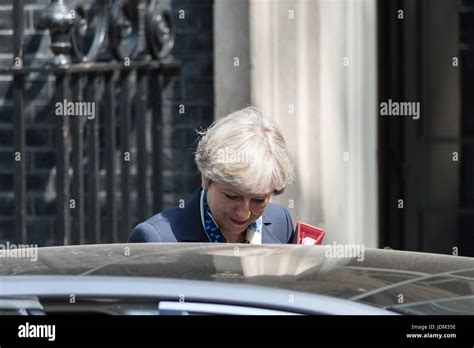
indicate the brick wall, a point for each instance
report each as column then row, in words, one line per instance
column 193, row 88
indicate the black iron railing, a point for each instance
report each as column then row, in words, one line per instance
column 80, row 77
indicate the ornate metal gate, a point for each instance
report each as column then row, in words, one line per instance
column 94, row 62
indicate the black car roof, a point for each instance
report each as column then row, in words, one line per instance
column 380, row 278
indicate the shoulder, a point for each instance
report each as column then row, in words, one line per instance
column 158, row 228
column 281, row 223
column 277, row 213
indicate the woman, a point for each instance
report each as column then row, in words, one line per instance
column 243, row 160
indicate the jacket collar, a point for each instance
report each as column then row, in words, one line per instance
column 192, row 217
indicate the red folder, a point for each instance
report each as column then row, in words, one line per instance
column 307, row 234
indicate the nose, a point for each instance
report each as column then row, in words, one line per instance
column 243, row 210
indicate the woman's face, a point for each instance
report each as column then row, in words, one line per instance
column 232, row 210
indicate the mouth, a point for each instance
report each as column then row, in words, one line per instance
column 237, row 222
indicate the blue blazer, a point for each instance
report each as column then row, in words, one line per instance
column 184, row 225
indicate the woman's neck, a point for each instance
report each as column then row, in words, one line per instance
column 233, row 238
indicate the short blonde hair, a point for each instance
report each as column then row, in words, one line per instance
column 247, row 151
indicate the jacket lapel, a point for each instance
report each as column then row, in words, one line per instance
column 192, row 230
column 267, row 236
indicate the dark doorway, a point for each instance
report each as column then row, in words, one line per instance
column 426, row 189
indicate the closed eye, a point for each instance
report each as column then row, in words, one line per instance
column 260, row 200
column 231, row 197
